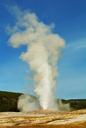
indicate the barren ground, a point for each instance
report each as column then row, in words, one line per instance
column 43, row 119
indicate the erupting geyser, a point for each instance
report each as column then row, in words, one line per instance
column 42, row 55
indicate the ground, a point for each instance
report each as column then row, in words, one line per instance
column 43, row 119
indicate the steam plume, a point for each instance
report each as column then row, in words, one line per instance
column 42, row 55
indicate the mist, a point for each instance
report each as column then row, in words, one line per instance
column 42, row 56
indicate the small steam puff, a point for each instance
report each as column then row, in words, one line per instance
column 42, row 55
column 27, row 103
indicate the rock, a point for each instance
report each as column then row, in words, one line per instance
column 43, row 119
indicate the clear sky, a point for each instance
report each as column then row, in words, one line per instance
column 69, row 17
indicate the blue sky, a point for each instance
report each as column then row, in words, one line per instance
column 69, row 18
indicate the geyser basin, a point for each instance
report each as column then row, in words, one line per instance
column 43, row 119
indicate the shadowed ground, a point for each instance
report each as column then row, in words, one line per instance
column 8, row 102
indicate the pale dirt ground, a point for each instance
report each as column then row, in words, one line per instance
column 43, row 119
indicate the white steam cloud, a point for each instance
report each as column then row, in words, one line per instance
column 42, row 55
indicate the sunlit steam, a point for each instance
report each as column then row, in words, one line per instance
column 42, row 55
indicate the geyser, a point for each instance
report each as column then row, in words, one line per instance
column 42, row 55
